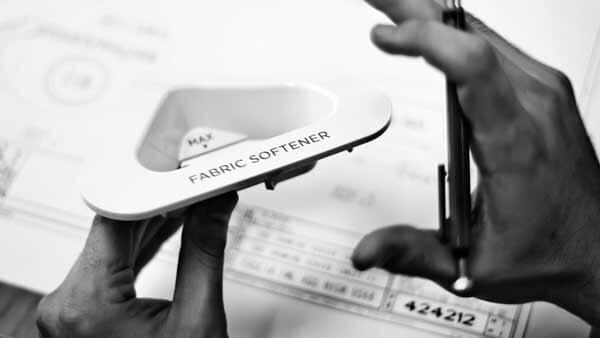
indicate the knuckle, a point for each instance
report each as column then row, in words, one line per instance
column 46, row 317
column 481, row 54
column 74, row 320
column 557, row 90
column 55, row 317
column 555, row 100
column 422, row 30
column 421, row 25
column 562, row 82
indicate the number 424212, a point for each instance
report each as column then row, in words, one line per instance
column 447, row 314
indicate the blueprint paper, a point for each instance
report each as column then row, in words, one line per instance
column 70, row 73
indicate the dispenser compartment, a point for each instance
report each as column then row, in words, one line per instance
column 256, row 113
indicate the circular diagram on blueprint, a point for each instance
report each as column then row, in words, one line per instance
column 76, row 80
column 48, row 65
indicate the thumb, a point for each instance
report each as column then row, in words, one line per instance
column 198, row 299
column 408, row 251
column 205, row 226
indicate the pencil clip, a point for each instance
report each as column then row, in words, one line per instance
column 443, row 222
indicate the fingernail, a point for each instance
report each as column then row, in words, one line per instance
column 176, row 213
column 384, row 29
column 359, row 262
column 220, row 207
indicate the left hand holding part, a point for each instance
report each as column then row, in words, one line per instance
column 98, row 297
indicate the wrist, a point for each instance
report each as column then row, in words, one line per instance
column 580, row 293
column 584, row 302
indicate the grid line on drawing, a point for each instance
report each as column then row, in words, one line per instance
column 357, row 309
column 311, row 269
column 591, row 86
column 274, row 220
column 382, row 311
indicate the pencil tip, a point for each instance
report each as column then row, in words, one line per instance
column 462, row 284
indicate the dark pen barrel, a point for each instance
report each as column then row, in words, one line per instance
column 459, row 182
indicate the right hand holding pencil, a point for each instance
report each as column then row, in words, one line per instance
column 536, row 215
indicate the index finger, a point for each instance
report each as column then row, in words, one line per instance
column 466, row 59
column 111, row 244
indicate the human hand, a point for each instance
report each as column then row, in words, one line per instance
column 536, row 210
column 98, row 298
